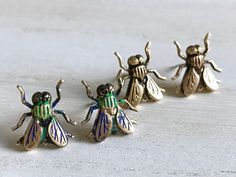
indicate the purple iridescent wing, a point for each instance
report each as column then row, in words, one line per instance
column 123, row 122
column 56, row 133
column 102, row 126
column 32, row 135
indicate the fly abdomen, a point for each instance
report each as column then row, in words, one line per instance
column 139, row 72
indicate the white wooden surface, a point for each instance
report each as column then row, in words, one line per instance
column 41, row 41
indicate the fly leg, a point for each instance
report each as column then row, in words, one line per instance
column 88, row 135
column 88, row 91
column 213, row 65
column 68, row 120
column 23, row 100
column 135, row 122
column 130, row 106
column 148, row 53
column 206, row 43
column 179, row 51
column 20, row 141
column 122, row 66
column 89, row 114
column 58, row 89
column 70, row 135
column 21, row 121
column 121, row 81
column 179, row 70
column 156, row 74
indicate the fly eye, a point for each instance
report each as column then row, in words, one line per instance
column 133, row 60
column 37, row 97
column 191, row 50
column 46, row 96
column 101, row 90
column 199, row 48
column 140, row 59
column 109, row 87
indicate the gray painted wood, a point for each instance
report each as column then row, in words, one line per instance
column 42, row 41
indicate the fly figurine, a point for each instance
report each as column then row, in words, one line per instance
column 44, row 126
column 141, row 86
column 197, row 75
column 110, row 117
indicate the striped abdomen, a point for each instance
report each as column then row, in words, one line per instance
column 42, row 111
column 139, row 72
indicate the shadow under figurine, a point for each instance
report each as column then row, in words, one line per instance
column 110, row 117
column 141, row 86
column 197, row 75
column 44, row 126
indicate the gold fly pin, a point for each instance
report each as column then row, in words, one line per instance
column 141, row 86
column 197, row 76
column 44, row 126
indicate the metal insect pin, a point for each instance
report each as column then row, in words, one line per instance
column 197, row 75
column 110, row 117
column 141, row 86
column 44, row 126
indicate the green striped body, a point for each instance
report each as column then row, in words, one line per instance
column 108, row 102
column 42, row 111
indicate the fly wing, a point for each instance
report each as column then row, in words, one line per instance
column 210, row 80
column 190, row 81
column 154, row 92
column 32, row 135
column 123, row 122
column 56, row 133
column 135, row 92
column 102, row 126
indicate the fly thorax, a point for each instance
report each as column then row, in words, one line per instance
column 42, row 111
column 196, row 61
column 139, row 72
column 109, row 102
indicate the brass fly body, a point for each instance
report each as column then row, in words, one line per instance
column 197, row 75
column 141, row 85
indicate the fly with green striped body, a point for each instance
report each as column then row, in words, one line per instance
column 110, row 117
column 44, row 126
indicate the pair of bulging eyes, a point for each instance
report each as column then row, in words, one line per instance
column 136, row 60
column 102, row 89
column 41, row 97
column 139, row 59
column 194, row 50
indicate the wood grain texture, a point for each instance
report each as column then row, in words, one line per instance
column 42, row 41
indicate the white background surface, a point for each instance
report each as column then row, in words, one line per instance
column 42, row 41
